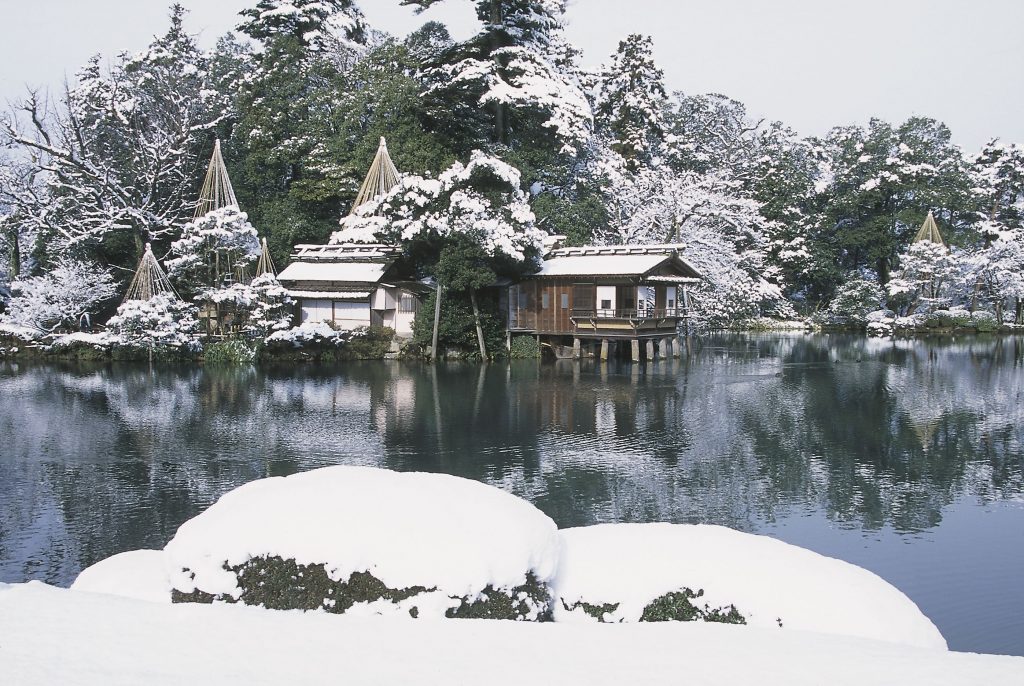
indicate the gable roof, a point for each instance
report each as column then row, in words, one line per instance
column 618, row 260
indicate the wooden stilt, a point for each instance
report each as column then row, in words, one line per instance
column 576, row 349
column 650, row 350
column 636, row 350
column 604, row 349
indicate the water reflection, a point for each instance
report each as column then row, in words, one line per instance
column 869, row 435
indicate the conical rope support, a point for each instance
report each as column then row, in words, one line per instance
column 150, row 280
column 382, row 177
column 217, row 191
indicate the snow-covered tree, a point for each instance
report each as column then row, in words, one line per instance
column 520, row 70
column 854, row 299
column 708, row 133
column 882, row 179
column 162, row 321
column 927, row 277
column 996, row 272
column 60, row 297
column 482, row 198
column 261, row 307
column 118, row 152
column 999, row 180
column 630, row 101
column 212, row 249
column 315, row 23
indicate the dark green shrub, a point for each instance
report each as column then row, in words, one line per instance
column 678, row 607
column 525, row 348
column 279, row 584
column 511, row 604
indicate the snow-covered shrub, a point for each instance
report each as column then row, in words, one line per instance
column 320, row 339
column 60, row 297
column 271, row 308
column 364, row 541
column 955, row 318
column 854, row 300
column 309, row 335
column 984, row 322
column 652, row 572
column 230, row 352
column 163, row 321
column 880, row 328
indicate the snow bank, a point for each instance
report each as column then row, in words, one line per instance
column 433, row 544
column 54, row 636
column 769, row 582
column 138, row 574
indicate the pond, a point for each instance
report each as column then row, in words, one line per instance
column 904, row 457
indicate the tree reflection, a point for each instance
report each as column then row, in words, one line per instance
column 744, row 431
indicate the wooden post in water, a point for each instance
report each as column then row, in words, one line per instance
column 668, row 349
column 576, row 349
column 636, row 350
column 604, row 349
column 650, row 350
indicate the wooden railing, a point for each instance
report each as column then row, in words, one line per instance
column 646, row 313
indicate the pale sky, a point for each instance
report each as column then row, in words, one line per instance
column 812, row 64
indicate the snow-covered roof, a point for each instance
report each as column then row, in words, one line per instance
column 344, row 251
column 331, row 295
column 601, row 265
column 338, row 272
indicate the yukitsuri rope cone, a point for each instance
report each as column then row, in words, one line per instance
column 217, row 191
column 382, row 177
column 266, row 263
column 929, row 231
column 150, row 280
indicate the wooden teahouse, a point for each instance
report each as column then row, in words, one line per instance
column 605, row 295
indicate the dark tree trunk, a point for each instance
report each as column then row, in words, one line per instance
column 15, row 264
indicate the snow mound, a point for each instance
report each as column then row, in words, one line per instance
column 54, row 636
column 138, row 574
column 769, row 582
column 436, row 542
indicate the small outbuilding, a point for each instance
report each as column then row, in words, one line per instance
column 605, row 294
column 352, row 285
column 349, row 283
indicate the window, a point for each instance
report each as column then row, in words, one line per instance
column 565, row 301
column 545, row 300
column 408, row 303
column 606, row 304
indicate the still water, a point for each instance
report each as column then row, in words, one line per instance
column 903, row 457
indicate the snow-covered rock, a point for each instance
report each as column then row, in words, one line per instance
column 55, row 636
column 358, row 540
column 138, row 574
column 619, row 570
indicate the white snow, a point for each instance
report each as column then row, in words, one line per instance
column 53, row 636
column 407, row 529
column 138, row 574
column 767, row 580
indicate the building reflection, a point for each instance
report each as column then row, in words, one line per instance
column 745, row 431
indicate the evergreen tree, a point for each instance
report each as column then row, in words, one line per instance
column 630, row 102
column 517, row 77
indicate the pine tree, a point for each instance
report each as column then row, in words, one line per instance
column 313, row 23
column 521, row 71
column 630, row 102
